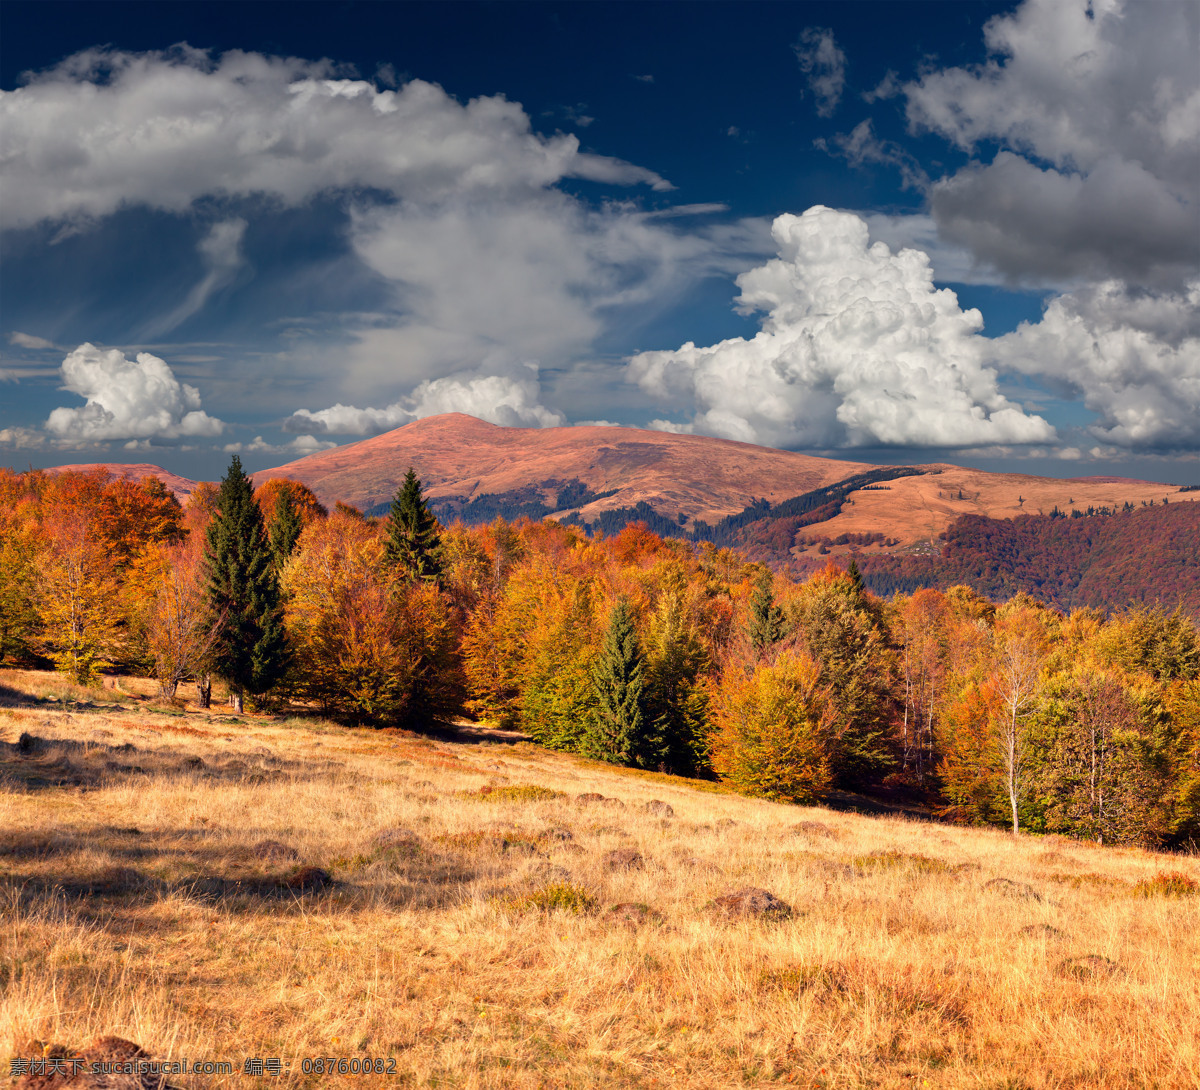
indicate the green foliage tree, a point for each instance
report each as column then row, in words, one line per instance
column 412, row 533
column 766, row 618
column 620, row 731
column 250, row 648
column 285, row 528
column 676, row 701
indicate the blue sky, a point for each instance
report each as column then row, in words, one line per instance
column 269, row 228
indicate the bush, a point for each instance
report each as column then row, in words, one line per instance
column 518, row 792
column 556, row 897
column 1167, row 885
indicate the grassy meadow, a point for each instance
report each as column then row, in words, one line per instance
column 157, row 883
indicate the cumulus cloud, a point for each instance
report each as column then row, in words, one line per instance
column 106, row 128
column 1095, row 105
column 301, row 446
column 824, row 63
column 857, row 349
column 1133, row 357
column 511, row 400
column 127, row 399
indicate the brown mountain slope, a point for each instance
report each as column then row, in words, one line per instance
column 181, row 486
column 458, row 456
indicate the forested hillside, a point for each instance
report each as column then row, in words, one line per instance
column 1140, row 556
column 637, row 649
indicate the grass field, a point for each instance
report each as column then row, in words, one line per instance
column 153, row 887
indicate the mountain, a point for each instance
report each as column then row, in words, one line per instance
column 605, row 475
column 181, row 486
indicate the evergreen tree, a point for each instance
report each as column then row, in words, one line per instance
column 285, row 528
column 856, row 579
column 766, row 618
column 676, row 703
column 620, row 731
column 412, row 533
column 250, row 649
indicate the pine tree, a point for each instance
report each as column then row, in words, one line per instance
column 766, row 618
column 412, row 533
column 620, row 732
column 250, row 650
column 856, row 579
column 285, row 528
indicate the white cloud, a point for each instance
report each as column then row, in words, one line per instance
column 861, row 146
column 27, row 340
column 511, row 400
column 1133, row 357
column 221, row 252
column 300, row 446
column 857, row 349
column 21, row 439
column 1096, row 107
column 107, row 128
column 824, row 63
column 127, row 399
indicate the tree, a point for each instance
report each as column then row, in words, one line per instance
column 620, row 731
column 773, row 730
column 766, row 618
column 285, row 528
column 676, row 702
column 78, row 594
column 250, row 648
column 1018, row 687
column 412, row 541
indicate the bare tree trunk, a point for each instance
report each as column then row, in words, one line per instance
column 235, row 698
column 204, row 690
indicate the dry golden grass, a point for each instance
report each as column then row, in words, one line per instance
column 471, row 936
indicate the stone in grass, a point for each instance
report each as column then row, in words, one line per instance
column 1008, row 888
column 1087, row 967
column 559, row 834
column 274, row 851
column 659, row 808
column 624, row 859
column 724, row 823
column 589, row 797
column 812, row 829
column 107, row 1051
column 749, row 902
column 307, row 880
column 396, row 838
column 632, row 914
column 1041, row 931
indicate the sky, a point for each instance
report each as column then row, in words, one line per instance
column 894, row 232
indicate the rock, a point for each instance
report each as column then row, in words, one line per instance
column 191, row 762
column 624, row 859
column 397, row 837
column 1041, row 930
column 633, row 913
column 750, row 901
column 1007, row 888
column 660, row 808
column 812, row 829
column 615, row 804
column 559, row 834
column 724, row 823
column 307, row 880
column 27, row 743
column 584, row 799
column 1088, row 967
column 106, row 1050
column 274, row 851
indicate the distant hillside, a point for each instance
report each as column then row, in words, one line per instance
column 181, row 486
column 767, row 502
column 1136, row 557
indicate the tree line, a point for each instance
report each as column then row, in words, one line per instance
column 631, row 648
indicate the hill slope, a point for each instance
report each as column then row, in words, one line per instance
column 478, row 470
column 526, row 937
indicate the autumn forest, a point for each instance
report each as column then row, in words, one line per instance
column 628, row 647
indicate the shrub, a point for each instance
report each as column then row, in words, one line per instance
column 555, row 897
column 1167, row 885
column 517, row 792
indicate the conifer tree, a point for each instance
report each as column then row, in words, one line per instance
column 856, row 579
column 620, row 731
column 250, row 649
column 766, row 618
column 285, row 528
column 412, row 533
